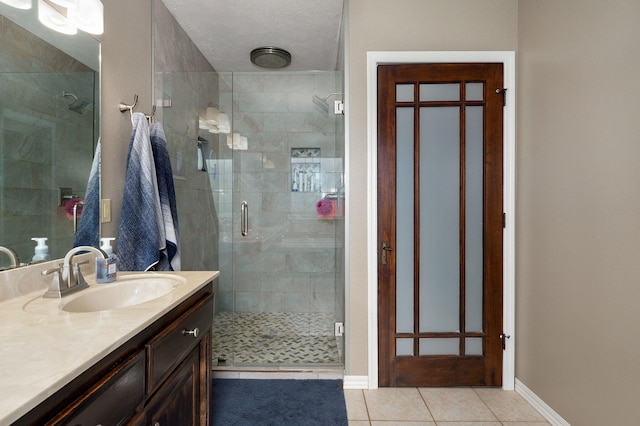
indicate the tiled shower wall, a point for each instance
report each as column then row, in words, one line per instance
column 290, row 261
column 184, row 83
column 43, row 144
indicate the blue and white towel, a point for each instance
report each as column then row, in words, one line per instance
column 88, row 232
column 169, row 258
column 141, row 232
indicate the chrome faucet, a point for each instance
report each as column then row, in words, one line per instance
column 13, row 257
column 68, row 278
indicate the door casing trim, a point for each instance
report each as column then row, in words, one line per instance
column 508, row 58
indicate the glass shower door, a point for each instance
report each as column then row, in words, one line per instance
column 285, row 158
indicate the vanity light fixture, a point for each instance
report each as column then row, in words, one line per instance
column 88, row 16
column 224, row 124
column 214, row 120
column 19, row 4
column 51, row 18
column 69, row 4
column 212, row 115
column 67, row 16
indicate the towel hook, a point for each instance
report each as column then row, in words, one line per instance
column 124, row 107
column 150, row 116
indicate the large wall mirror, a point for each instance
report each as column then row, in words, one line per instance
column 49, row 133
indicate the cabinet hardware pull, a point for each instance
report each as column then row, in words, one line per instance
column 193, row 332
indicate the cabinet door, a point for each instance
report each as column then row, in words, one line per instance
column 178, row 400
column 110, row 401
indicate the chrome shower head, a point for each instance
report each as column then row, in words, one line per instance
column 79, row 105
column 323, row 104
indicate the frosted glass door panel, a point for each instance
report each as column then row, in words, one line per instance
column 474, row 91
column 474, row 162
column 439, row 92
column 404, row 92
column 439, row 346
column 404, row 220
column 439, row 219
column 404, row 347
column 473, row 346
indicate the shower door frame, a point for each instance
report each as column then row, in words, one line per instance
column 237, row 217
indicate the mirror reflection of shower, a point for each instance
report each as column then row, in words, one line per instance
column 79, row 105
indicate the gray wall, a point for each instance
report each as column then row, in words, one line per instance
column 578, row 233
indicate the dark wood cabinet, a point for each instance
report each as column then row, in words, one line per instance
column 161, row 377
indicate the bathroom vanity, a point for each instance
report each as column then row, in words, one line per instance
column 146, row 364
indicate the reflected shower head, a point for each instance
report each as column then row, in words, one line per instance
column 79, row 105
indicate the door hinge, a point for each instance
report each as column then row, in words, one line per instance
column 338, row 329
column 504, row 220
column 338, row 107
column 503, row 90
column 504, row 338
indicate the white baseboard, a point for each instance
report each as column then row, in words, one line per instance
column 547, row 412
column 356, row 382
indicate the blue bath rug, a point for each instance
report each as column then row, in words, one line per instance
column 248, row 402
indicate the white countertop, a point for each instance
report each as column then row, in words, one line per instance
column 42, row 350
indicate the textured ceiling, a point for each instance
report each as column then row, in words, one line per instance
column 226, row 31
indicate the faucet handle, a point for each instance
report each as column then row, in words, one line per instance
column 56, row 287
column 52, row 270
column 77, row 273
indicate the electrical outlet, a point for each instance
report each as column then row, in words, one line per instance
column 105, row 210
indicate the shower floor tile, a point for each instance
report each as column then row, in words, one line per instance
column 258, row 338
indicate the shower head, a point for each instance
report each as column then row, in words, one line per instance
column 79, row 105
column 322, row 103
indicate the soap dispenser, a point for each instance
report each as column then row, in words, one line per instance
column 106, row 269
column 105, row 245
column 42, row 250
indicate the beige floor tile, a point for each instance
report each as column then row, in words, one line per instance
column 399, row 423
column 403, row 404
column 359, row 423
column 508, row 406
column 456, row 404
column 468, row 424
column 525, row 423
column 356, row 407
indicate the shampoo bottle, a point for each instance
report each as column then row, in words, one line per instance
column 106, row 269
column 42, row 250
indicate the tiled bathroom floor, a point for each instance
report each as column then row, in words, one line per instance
column 262, row 338
column 439, row 407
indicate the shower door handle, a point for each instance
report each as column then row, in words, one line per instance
column 244, row 218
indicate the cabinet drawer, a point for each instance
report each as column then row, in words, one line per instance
column 114, row 399
column 171, row 346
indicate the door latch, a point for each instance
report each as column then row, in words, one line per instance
column 504, row 338
column 385, row 249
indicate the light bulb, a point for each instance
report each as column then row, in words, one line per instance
column 88, row 16
column 51, row 18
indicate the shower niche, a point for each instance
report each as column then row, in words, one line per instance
column 305, row 170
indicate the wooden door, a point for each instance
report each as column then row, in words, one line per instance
column 440, row 221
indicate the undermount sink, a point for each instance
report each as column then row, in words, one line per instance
column 127, row 291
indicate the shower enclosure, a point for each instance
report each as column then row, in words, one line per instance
column 272, row 221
